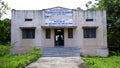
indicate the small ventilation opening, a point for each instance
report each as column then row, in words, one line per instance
column 89, row 19
column 28, row 19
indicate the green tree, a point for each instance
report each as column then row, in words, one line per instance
column 112, row 8
column 3, row 8
column 5, row 31
column 88, row 4
column 4, row 24
column 78, row 8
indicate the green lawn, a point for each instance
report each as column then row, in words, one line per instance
column 17, row 61
column 99, row 62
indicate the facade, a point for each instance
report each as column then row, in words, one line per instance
column 60, row 27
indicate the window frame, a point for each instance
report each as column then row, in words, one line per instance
column 90, row 32
column 70, row 33
column 28, row 33
column 47, row 33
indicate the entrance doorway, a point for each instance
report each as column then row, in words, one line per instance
column 59, row 37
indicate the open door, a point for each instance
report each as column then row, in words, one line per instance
column 59, row 37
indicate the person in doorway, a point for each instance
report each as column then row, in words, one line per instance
column 60, row 40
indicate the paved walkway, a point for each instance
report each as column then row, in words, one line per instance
column 57, row 62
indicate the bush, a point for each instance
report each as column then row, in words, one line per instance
column 99, row 62
column 4, row 50
column 114, row 53
column 20, row 60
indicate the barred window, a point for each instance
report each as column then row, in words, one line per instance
column 70, row 33
column 89, row 32
column 28, row 33
column 48, row 33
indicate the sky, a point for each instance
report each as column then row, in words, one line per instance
column 43, row 4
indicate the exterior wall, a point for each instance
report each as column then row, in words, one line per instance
column 18, row 21
column 88, row 46
column 95, row 46
column 48, row 42
column 69, row 42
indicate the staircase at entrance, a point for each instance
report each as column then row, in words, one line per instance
column 61, row 52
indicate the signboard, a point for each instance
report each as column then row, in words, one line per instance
column 58, row 11
column 58, row 22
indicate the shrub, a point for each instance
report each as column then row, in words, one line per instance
column 114, row 53
column 99, row 62
column 4, row 50
column 20, row 60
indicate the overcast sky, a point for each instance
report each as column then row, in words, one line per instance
column 43, row 4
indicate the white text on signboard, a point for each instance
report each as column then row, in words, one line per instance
column 51, row 12
column 58, row 22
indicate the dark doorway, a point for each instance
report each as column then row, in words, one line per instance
column 59, row 37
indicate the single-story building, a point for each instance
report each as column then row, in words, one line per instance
column 60, row 27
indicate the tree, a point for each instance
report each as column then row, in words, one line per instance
column 88, row 4
column 4, row 24
column 5, row 32
column 78, row 8
column 112, row 8
column 3, row 8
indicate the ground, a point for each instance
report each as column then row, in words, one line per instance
column 57, row 62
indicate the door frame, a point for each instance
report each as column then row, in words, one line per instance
column 55, row 33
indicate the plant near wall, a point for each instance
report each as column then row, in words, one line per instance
column 4, row 50
column 19, row 60
column 99, row 62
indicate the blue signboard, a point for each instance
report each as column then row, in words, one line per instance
column 51, row 12
column 58, row 21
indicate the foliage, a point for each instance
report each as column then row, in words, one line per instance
column 114, row 53
column 4, row 24
column 4, row 50
column 99, row 62
column 5, row 31
column 78, row 8
column 88, row 4
column 3, row 8
column 20, row 60
column 113, row 18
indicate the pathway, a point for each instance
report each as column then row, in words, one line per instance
column 57, row 62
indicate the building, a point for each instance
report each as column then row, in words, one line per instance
column 60, row 27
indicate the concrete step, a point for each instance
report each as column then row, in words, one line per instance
column 60, row 52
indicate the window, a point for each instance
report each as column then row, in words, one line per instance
column 28, row 19
column 89, row 32
column 48, row 33
column 89, row 20
column 28, row 33
column 70, row 33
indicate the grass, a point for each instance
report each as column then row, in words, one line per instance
column 99, row 62
column 18, row 61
